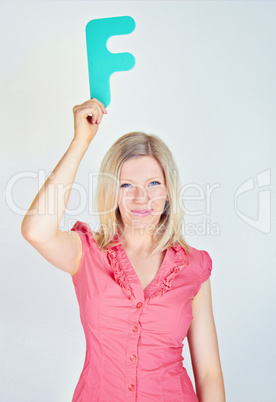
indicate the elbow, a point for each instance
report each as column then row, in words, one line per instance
column 38, row 236
column 25, row 231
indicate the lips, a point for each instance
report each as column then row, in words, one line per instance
column 142, row 212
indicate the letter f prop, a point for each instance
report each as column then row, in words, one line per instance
column 101, row 62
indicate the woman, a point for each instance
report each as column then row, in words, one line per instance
column 141, row 288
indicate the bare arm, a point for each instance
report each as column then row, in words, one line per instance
column 40, row 226
column 203, row 345
column 43, row 218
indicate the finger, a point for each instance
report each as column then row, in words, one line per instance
column 84, row 112
column 97, row 117
column 95, row 110
column 100, row 104
column 103, row 109
column 94, row 101
column 91, row 107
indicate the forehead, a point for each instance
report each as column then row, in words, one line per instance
column 142, row 167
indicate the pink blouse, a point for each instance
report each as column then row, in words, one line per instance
column 134, row 338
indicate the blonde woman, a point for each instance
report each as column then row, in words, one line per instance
column 141, row 288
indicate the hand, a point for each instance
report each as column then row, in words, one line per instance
column 87, row 118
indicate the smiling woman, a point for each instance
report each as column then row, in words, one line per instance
column 141, row 288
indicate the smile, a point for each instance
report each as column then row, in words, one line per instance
column 142, row 212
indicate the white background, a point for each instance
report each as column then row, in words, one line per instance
column 204, row 81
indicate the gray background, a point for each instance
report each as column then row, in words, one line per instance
column 204, row 81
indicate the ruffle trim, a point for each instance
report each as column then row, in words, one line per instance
column 181, row 261
column 116, row 255
column 119, row 273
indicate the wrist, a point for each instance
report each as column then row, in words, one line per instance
column 79, row 145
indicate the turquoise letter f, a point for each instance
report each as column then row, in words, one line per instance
column 101, row 62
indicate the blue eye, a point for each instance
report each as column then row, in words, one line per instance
column 126, row 185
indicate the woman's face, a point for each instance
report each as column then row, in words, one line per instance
column 142, row 194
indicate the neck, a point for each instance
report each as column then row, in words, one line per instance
column 137, row 241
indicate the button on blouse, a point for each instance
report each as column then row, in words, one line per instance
column 134, row 337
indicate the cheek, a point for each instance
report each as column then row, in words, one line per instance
column 124, row 197
column 158, row 195
column 120, row 197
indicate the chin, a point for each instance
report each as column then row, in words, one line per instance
column 148, row 226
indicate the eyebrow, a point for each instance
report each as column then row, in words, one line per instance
column 155, row 177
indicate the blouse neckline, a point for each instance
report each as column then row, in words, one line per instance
column 131, row 267
column 175, row 259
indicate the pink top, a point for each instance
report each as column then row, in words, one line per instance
column 134, row 338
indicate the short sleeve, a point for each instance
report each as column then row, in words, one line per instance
column 86, row 236
column 206, row 265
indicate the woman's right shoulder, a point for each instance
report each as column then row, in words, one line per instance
column 85, row 232
column 82, row 227
column 88, row 242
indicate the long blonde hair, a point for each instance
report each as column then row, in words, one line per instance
column 135, row 144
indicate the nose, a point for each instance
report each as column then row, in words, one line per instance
column 140, row 193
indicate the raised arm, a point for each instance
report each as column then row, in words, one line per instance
column 40, row 226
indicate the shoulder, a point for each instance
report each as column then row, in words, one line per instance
column 82, row 227
column 201, row 262
column 85, row 233
column 91, row 254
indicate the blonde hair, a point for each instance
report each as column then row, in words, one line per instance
column 135, row 144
